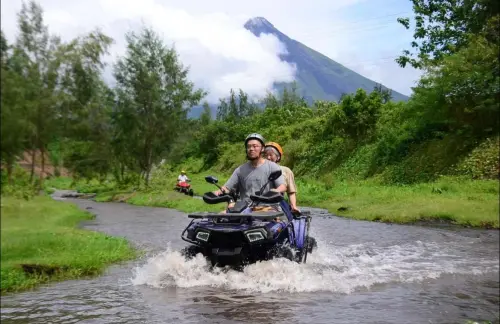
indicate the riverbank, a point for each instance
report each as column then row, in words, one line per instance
column 450, row 200
column 41, row 243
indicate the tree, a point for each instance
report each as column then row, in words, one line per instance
column 206, row 115
column 464, row 91
column 442, row 27
column 385, row 93
column 13, row 122
column 85, row 109
column 82, row 83
column 235, row 107
column 155, row 95
column 39, row 59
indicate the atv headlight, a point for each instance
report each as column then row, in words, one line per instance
column 256, row 235
column 202, row 236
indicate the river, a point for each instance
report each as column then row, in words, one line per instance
column 362, row 272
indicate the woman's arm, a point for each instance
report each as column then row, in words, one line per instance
column 293, row 200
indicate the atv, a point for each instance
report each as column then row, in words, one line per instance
column 184, row 187
column 242, row 236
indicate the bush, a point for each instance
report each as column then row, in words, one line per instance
column 21, row 187
column 483, row 162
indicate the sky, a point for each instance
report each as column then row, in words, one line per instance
column 362, row 35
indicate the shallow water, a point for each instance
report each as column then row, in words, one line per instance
column 363, row 272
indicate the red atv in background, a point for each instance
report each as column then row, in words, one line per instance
column 184, row 187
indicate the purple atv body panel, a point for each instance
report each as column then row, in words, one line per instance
column 296, row 237
column 286, row 209
column 299, row 228
column 274, row 227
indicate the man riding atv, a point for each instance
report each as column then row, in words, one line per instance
column 183, row 184
column 251, row 176
column 274, row 152
column 245, row 232
column 182, row 177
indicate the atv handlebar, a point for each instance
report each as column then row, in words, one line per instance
column 270, row 197
column 211, row 198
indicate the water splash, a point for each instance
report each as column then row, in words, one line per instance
column 330, row 268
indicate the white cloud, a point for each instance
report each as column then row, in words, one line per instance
column 220, row 53
column 383, row 70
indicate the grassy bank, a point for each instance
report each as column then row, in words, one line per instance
column 453, row 200
column 472, row 203
column 40, row 243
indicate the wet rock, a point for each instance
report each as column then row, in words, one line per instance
column 78, row 195
column 40, row 269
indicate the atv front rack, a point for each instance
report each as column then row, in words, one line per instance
column 255, row 215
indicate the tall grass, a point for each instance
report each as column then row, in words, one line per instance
column 40, row 243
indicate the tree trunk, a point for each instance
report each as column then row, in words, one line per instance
column 9, row 171
column 139, row 179
column 33, row 157
column 149, row 160
column 61, row 156
column 42, row 151
column 148, row 172
column 122, row 171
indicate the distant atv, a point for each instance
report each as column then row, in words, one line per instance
column 184, row 187
column 242, row 236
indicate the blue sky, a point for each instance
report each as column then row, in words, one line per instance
column 363, row 35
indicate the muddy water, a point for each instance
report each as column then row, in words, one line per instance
column 362, row 273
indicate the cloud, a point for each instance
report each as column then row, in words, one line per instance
column 391, row 75
column 360, row 34
column 220, row 53
column 383, row 70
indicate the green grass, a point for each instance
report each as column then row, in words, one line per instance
column 451, row 200
column 41, row 234
column 62, row 183
column 166, row 198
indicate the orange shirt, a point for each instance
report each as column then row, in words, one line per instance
column 289, row 179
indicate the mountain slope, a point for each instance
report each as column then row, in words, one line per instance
column 318, row 77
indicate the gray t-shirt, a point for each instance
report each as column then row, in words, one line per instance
column 247, row 179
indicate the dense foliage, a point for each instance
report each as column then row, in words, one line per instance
column 54, row 100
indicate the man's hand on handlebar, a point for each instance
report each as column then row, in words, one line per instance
column 220, row 192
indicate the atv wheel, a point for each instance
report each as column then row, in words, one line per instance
column 281, row 252
column 311, row 244
column 301, row 255
column 213, row 261
column 190, row 251
column 191, row 192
